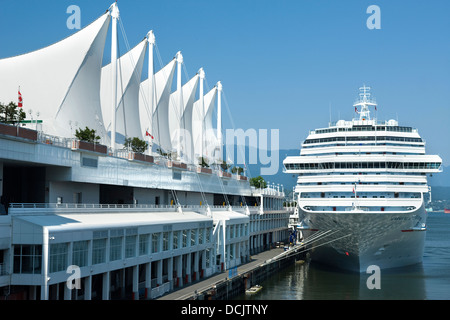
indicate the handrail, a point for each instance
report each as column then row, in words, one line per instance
column 110, row 206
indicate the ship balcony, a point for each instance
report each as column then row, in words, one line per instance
column 369, row 188
column 370, row 203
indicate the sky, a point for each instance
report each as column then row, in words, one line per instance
column 290, row 65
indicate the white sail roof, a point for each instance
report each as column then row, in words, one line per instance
column 181, row 118
column 61, row 82
column 202, row 125
column 157, row 121
column 129, row 68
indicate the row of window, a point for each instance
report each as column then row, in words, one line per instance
column 361, row 183
column 359, row 195
column 28, row 258
column 362, row 165
column 364, row 138
column 366, row 128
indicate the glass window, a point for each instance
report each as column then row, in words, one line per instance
column 193, row 236
column 166, row 241
column 200, row 236
column 155, row 242
column 80, row 253
column 27, row 259
column 115, row 248
column 98, row 251
column 58, row 257
column 143, row 244
column 130, row 246
column 176, row 237
column 184, row 238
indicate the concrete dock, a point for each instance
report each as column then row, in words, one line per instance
column 221, row 286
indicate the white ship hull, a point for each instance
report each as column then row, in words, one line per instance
column 356, row 240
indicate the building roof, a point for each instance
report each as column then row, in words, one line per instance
column 85, row 221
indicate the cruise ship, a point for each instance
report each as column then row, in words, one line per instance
column 360, row 190
column 88, row 220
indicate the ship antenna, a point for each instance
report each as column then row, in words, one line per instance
column 364, row 102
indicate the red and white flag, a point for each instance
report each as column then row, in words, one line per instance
column 20, row 104
column 147, row 134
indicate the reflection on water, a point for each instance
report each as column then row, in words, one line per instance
column 427, row 280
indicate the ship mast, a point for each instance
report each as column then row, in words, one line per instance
column 364, row 102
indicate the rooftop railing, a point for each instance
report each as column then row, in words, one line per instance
column 26, row 208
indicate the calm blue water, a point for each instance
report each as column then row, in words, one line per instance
column 428, row 280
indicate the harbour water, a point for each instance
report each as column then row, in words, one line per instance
column 429, row 280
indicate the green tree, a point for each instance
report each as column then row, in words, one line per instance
column 10, row 113
column 87, row 135
column 224, row 165
column 237, row 170
column 136, row 144
column 258, row 182
column 203, row 162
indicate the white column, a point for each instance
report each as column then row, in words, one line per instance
column 115, row 17
column 170, row 272
column 196, row 260
column 136, row 282
column 188, row 267
column 148, row 279
column 45, row 256
column 159, row 272
column 224, row 245
column 106, row 285
column 88, row 288
column 179, row 269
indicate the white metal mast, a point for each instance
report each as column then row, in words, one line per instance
column 364, row 101
column 115, row 16
column 151, row 78
column 219, row 118
column 179, row 58
column 201, row 73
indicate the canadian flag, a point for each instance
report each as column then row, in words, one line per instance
column 148, row 134
column 20, row 104
column 356, row 110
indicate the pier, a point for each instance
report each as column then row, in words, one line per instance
column 235, row 281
